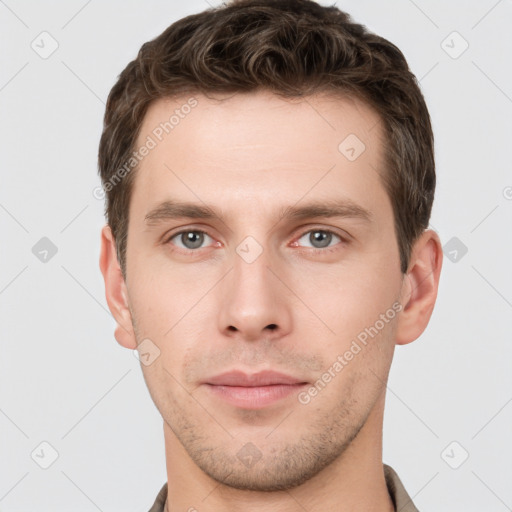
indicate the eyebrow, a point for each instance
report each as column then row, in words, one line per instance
column 172, row 209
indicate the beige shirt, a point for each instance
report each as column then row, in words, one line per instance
column 395, row 487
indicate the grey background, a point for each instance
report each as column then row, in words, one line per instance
column 65, row 381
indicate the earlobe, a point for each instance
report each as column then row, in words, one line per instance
column 419, row 289
column 115, row 290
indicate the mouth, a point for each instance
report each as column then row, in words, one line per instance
column 253, row 391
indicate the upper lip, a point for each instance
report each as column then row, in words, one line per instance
column 263, row 378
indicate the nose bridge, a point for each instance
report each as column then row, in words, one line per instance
column 252, row 303
column 251, row 274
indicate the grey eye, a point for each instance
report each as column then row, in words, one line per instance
column 189, row 239
column 319, row 238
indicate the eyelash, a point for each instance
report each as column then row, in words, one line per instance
column 315, row 250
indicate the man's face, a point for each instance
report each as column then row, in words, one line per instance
column 254, row 288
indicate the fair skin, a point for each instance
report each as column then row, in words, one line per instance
column 293, row 309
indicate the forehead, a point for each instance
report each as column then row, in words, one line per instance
column 249, row 119
column 256, row 146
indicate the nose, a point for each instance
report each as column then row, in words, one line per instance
column 254, row 303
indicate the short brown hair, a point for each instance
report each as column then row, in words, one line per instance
column 293, row 48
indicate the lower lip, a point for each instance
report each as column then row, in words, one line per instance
column 254, row 397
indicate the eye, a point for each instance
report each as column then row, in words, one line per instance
column 192, row 239
column 319, row 238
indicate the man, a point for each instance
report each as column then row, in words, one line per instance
column 269, row 173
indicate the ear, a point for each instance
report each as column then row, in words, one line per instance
column 115, row 290
column 419, row 288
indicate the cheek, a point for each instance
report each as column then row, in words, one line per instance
column 161, row 297
column 346, row 299
column 171, row 313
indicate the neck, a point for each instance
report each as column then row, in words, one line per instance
column 354, row 481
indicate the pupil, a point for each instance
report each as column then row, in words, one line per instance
column 320, row 238
column 192, row 239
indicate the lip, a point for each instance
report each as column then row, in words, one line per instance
column 263, row 378
column 253, row 391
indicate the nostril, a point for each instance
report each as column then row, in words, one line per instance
column 273, row 327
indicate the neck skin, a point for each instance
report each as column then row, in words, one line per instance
column 355, row 481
